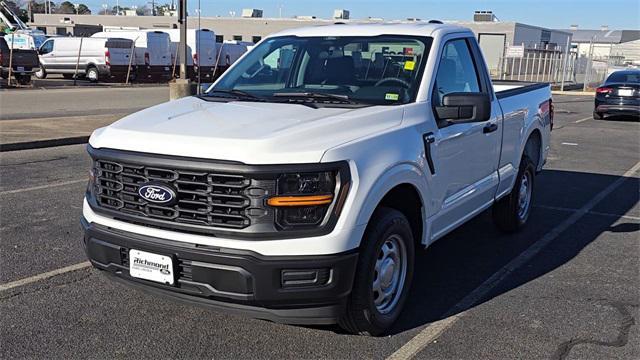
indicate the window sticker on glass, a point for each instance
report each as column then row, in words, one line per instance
column 409, row 65
column 390, row 96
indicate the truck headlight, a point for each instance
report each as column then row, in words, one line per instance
column 305, row 199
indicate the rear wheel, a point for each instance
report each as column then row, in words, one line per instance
column 597, row 115
column 511, row 213
column 92, row 74
column 23, row 79
column 383, row 275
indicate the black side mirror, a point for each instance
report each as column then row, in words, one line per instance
column 464, row 107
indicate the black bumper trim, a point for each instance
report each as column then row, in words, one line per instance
column 232, row 280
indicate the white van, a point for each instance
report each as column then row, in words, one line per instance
column 152, row 56
column 231, row 50
column 100, row 58
column 201, row 47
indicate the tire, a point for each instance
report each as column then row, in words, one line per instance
column 92, row 74
column 390, row 229
column 598, row 116
column 42, row 73
column 23, row 79
column 511, row 213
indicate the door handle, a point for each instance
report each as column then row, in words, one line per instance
column 429, row 139
column 489, row 128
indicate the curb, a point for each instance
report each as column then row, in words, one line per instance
column 41, row 144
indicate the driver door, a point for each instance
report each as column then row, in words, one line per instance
column 465, row 153
column 45, row 53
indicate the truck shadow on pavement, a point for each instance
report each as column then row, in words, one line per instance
column 456, row 265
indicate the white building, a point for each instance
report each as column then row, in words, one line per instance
column 618, row 47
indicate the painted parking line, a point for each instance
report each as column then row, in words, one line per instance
column 583, row 120
column 569, row 144
column 432, row 331
column 40, row 187
column 557, row 208
column 44, row 276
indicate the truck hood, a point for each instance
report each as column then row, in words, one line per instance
column 248, row 132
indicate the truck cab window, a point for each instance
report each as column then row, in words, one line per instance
column 456, row 72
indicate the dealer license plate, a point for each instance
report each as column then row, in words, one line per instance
column 625, row 92
column 149, row 266
column 21, row 68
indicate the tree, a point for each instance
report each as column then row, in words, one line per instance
column 38, row 7
column 66, row 7
column 84, row 9
column 143, row 11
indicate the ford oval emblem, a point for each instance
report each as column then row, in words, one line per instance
column 157, row 193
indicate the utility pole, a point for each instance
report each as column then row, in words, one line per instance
column 182, row 20
column 181, row 87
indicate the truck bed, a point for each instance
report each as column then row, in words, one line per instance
column 507, row 88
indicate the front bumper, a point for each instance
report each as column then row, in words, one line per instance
column 236, row 281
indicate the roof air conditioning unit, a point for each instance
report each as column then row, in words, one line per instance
column 484, row 16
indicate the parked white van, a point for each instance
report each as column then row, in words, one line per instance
column 201, row 47
column 95, row 58
column 152, row 54
column 231, row 50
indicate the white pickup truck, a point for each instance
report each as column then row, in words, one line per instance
column 299, row 186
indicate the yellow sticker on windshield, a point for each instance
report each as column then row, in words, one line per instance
column 409, row 65
column 393, row 97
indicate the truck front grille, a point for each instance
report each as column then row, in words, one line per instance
column 205, row 198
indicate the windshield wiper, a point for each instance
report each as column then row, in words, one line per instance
column 238, row 94
column 316, row 96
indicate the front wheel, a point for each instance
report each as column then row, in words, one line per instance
column 41, row 73
column 511, row 213
column 383, row 276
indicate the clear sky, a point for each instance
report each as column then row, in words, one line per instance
column 618, row 14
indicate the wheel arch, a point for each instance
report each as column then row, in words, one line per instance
column 533, row 148
column 402, row 188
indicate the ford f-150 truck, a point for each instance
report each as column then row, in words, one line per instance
column 300, row 185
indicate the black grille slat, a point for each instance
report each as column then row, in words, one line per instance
column 204, row 198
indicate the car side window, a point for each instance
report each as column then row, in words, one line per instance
column 456, row 71
column 47, row 47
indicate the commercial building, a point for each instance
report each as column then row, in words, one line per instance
column 617, row 47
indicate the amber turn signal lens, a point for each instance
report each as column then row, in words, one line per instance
column 311, row 200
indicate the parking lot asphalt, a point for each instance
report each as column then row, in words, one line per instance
column 477, row 293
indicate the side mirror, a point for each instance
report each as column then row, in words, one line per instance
column 464, row 107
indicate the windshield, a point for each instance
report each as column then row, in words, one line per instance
column 383, row 70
